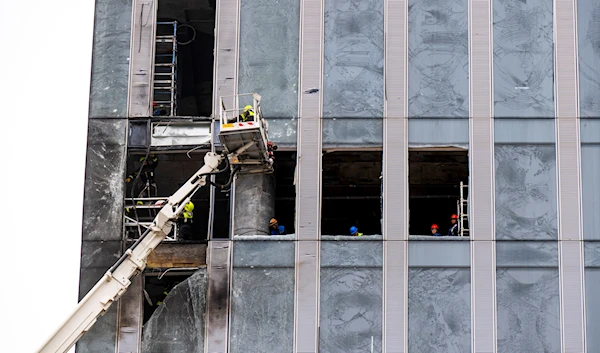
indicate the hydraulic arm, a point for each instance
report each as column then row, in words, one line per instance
column 117, row 279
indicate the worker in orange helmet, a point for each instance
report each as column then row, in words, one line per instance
column 453, row 225
column 434, row 230
column 273, row 227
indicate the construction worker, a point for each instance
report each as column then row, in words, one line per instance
column 247, row 114
column 453, row 225
column 185, row 221
column 273, row 227
column 148, row 168
column 354, row 232
column 434, row 230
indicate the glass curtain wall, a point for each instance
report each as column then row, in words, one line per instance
column 351, row 295
column 353, row 73
column 439, row 297
column 268, row 63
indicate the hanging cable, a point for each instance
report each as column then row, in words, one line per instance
column 193, row 34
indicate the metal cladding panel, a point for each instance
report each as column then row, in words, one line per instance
column 483, row 296
column 309, row 180
column 311, row 57
column 572, row 303
column 481, row 188
column 480, row 58
column 129, row 334
column 227, row 34
column 395, row 59
column 481, row 134
column 142, row 57
column 569, row 179
column 565, row 47
column 217, row 305
column 307, row 297
column 395, row 282
column 395, row 179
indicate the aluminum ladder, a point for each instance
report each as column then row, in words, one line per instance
column 463, row 213
column 165, row 70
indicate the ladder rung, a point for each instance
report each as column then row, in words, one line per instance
column 164, row 65
column 163, row 81
column 164, row 102
column 163, row 73
column 165, row 37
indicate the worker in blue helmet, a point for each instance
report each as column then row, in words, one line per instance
column 354, row 232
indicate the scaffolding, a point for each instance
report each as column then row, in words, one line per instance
column 139, row 215
column 164, row 85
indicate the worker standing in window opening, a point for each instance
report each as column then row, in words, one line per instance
column 273, row 227
column 159, row 109
column 185, row 222
column 354, row 232
column 453, row 231
column 247, row 114
column 434, row 230
column 147, row 174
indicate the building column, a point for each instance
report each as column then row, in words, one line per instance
column 568, row 163
column 218, row 262
column 308, row 200
column 395, row 179
column 254, row 204
column 481, row 188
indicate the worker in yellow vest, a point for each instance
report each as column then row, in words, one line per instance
column 185, row 222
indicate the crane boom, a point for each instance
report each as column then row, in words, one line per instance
column 117, row 279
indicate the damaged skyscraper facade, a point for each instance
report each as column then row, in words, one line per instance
column 390, row 116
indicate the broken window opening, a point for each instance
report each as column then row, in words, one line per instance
column 183, row 69
column 351, row 189
column 145, row 193
column 435, row 177
column 156, row 289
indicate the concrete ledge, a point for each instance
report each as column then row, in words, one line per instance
column 168, row 255
column 442, row 238
column 351, row 238
column 287, row 237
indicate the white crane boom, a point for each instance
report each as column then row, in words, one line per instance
column 117, row 279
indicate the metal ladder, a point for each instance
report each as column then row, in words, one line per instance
column 463, row 214
column 165, row 70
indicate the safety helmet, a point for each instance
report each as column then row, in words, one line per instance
column 454, row 216
column 281, row 229
column 353, row 230
column 272, row 222
column 248, row 107
column 434, row 226
column 189, row 207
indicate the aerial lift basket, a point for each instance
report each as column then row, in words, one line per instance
column 246, row 141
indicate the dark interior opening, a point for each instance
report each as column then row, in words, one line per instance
column 194, row 58
column 222, row 213
column 156, row 290
column 351, row 192
column 285, row 190
column 172, row 171
column 434, row 188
